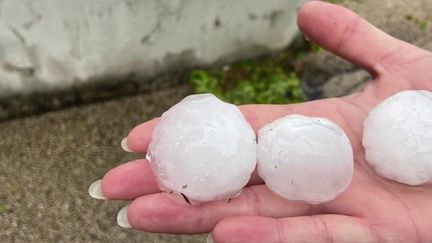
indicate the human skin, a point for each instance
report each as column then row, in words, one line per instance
column 372, row 209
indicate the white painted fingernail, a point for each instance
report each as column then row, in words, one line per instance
column 209, row 238
column 122, row 218
column 124, row 145
column 95, row 190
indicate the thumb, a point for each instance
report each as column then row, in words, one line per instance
column 346, row 34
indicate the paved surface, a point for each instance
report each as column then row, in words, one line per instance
column 48, row 162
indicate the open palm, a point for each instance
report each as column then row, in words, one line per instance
column 372, row 209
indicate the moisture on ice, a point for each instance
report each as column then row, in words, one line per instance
column 397, row 137
column 203, row 148
column 305, row 158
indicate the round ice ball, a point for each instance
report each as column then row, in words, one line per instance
column 203, row 148
column 397, row 137
column 305, row 158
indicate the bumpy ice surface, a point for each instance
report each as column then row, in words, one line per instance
column 204, row 148
column 305, row 158
column 397, row 137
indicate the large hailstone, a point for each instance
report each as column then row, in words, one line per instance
column 203, row 148
column 397, row 137
column 305, row 158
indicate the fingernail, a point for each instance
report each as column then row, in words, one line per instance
column 124, row 145
column 122, row 218
column 95, row 190
column 209, row 238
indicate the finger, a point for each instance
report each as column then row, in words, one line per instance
column 134, row 179
column 344, row 33
column 140, row 136
column 129, row 181
column 159, row 213
column 317, row 228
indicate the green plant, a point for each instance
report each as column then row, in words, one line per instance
column 421, row 23
column 250, row 82
column 2, row 208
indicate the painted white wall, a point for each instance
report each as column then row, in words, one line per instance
column 52, row 44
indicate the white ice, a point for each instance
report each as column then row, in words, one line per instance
column 305, row 158
column 397, row 137
column 204, row 148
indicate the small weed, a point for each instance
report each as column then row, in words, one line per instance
column 421, row 23
column 2, row 208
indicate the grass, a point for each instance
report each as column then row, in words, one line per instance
column 251, row 81
column 269, row 80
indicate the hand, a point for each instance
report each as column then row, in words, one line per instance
column 371, row 210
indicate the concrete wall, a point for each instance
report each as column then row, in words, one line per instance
column 50, row 44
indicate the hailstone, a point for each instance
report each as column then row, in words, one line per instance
column 203, row 148
column 397, row 137
column 305, row 158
